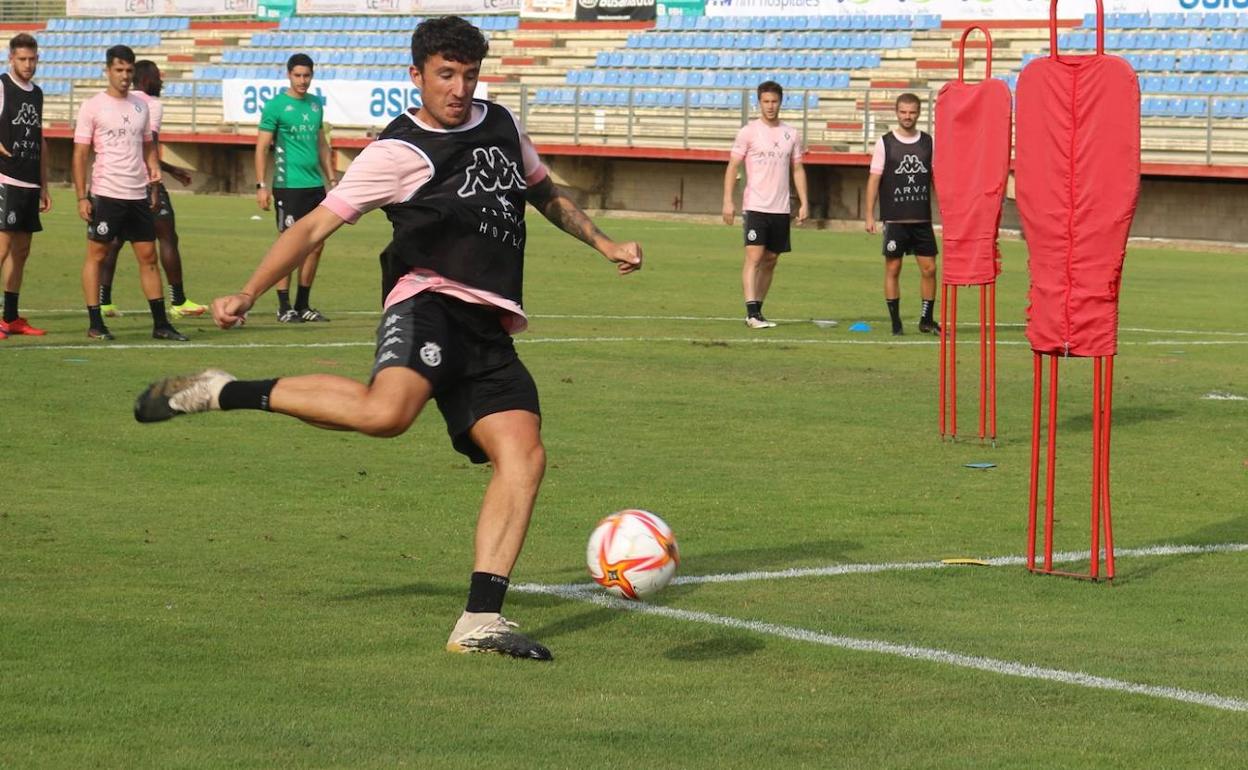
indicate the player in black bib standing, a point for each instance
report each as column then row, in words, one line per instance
column 23, row 174
column 901, row 175
column 453, row 178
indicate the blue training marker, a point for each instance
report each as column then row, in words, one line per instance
column 860, row 326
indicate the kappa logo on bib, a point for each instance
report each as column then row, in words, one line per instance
column 431, row 354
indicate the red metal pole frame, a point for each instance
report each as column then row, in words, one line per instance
column 1050, row 471
column 1107, row 407
column 983, row 360
column 1033, row 488
column 953, row 365
column 992, row 352
column 1094, row 567
column 944, row 327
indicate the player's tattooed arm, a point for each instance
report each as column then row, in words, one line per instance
column 563, row 212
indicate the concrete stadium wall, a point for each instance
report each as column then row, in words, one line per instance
column 1169, row 207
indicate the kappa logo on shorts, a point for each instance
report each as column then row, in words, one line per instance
column 891, row 246
column 391, row 320
column 431, row 354
column 389, row 355
column 752, row 235
column 392, row 340
column 101, row 228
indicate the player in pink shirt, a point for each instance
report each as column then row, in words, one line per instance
column 147, row 86
column 454, row 178
column 769, row 148
column 116, row 125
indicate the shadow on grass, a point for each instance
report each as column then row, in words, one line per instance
column 1230, row 531
column 1081, row 422
column 807, row 552
column 717, row 648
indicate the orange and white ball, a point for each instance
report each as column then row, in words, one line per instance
column 632, row 554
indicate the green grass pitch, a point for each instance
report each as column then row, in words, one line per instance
column 245, row 591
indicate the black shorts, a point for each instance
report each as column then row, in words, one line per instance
column 771, row 231
column 116, row 219
column 902, row 238
column 295, row 203
column 464, row 352
column 164, row 206
column 19, row 209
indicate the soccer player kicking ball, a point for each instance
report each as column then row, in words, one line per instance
column 453, row 178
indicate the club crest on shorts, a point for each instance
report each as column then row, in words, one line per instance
column 891, row 246
column 13, row 214
column 101, row 228
column 752, row 235
column 290, row 220
column 431, row 354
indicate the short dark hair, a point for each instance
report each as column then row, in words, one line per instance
column 23, row 40
column 908, row 98
column 299, row 60
column 144, row 73
column 455, row 38
column 118, row 53
column 770, row 87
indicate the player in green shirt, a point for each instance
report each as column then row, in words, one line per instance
column 303, row 168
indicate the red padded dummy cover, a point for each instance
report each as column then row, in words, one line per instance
column 971, row 164
column 1077, row 178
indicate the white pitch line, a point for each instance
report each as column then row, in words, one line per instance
column 906, row 566
column 588, row 593
column 573, row 340
column 929, row 654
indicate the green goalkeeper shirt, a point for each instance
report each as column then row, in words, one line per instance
column 296, row 128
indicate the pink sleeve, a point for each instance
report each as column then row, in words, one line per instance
column 741, row 145
column 156, row 111
column 534, row 170
column 797, row 148
column 877, row 157
column 387, row 171
column 147, row 129
column 84, row 129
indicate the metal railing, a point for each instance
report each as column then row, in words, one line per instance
column 860, row 116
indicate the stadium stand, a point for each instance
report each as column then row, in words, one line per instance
column 689, row 81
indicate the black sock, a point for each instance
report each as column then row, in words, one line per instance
column 753, row 309
column 283, row 300
column 106, row 294
column 157, row 306
column 96, row 318
column 894, row 312
column 928, row 304
column 486, row 592
column 177, row 295
column 246, row 394
column 301, row 297
column 10, row 306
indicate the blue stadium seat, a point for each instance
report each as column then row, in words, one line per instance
column 1195, row 107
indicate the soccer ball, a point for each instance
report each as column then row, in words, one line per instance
column 632, row 554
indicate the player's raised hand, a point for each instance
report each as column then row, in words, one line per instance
column 230, row 311
column 626, row 256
